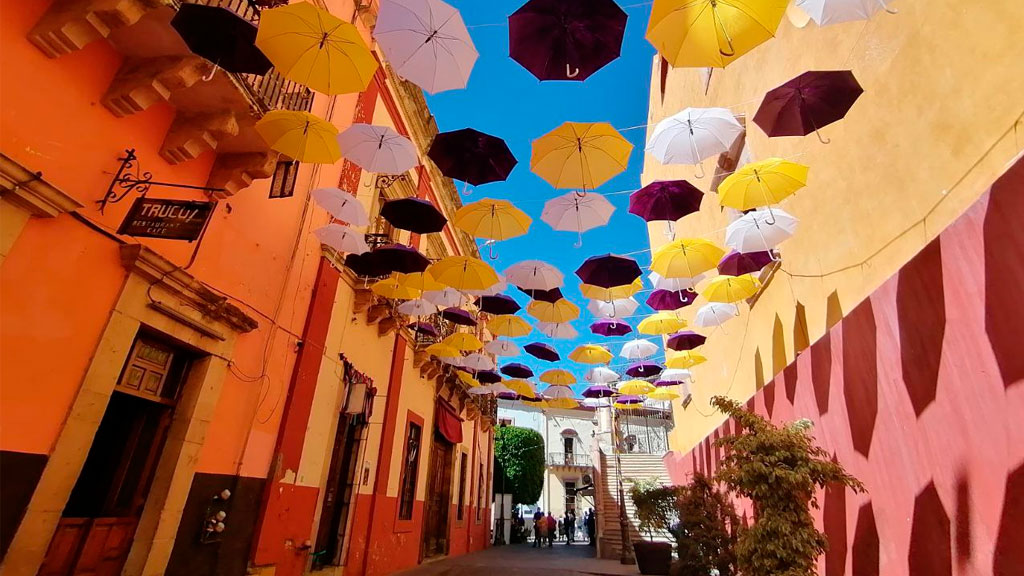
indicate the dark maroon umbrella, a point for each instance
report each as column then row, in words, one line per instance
column 399, row 258
column 598, row 391
column 516, row 370
column 608, row 271
column 413, row 214
column 366, row 265
column 509, row 396
column 549, row 296
column 472, row 156
column 808, row 103
column 738, row 264
column 669, row 200
column 458, row 316
column 488, row 377
column 685, row 340
column 497, row 304
column 542, row 351
column 221, row 36
column 670, row 299
column 424, row 328
column 644, row 370
column 665, row 383
column 566, row 39
column 610, row 327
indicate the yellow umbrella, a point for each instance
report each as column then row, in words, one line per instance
column 492, row 219
column 686, row 359
column 442, row 351
column 536, row 402
column 300, row 136
column 614, row 293
column 310, row 46
column 558, row 377
column 661, row 323
column 521, row 387
column 509, row 326
column 467, row 379
column 731, row 288
column 560, row 310
column 580, row 155
column 623, row 406
column 463, row 341
column 562, row 403
column 391, row 288
column 686, row 258
column 635, row 388
column 463, row 273
column 711, row 33
column 591, row 354
column 663, row 395
column 419, row 281
column 762, row 183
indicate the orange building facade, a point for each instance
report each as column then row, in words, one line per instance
column 152, row 388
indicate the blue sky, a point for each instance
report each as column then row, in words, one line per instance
column 505, row 100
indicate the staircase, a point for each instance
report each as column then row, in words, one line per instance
column 634, row 466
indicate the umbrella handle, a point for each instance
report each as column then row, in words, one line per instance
column 209, row 75
column 580, row 194
column 770, row 215
column 887, row 9
column 725, row 32
column 490, row 250
column 466, row 190
column 569, row 73
column 821, row 138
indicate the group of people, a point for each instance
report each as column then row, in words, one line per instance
column 546, row 528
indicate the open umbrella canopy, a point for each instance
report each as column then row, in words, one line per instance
column 500, row 347
column 760, row 230
column 534, row 275
column 685, row 340
column 477, row 361
column 464, row 273
column 663, row 395
column 558, row 311
column 400, row 258
column 542, row 351
column 391, row 288
column 378, row 149
column 341, row 205
column 731, row 288
column 509, row 326
column 580, row 155
column 467, row 379
column 424, row 328
column 557, row 330
column 221, row 36
column 684, row 360
column 618, row 308
column 674, row 376
column 498, row 287
column 591, row 354
column 566, row 39
column 686, row 258
column 445, row 298
column 310, row 46
column 740, row 263
column 413, row 214
column 463, row 341
column 521, row 387
column 762, row 183
column 673, row 284
column 661, row 323
column 808, row 103
column 421, row 281
column 559, row 393
column 827, row 12
column 550, row 296
column 417, row 307
column 458, row 316
column 667, row 200
column 342, row 238
column 443, row 351
column 497, row 304
column 472, row 156
column 628, row 402
column 610, row 327
column 574, row 213
column 638, row 349
column 715, row 314
column 598, row 391
column 693, row 135
column 644, row 370
column 492, row 220
column 300, row 135
column 488, row 377
column 611, row 294
column 601, row 375
column 711, row 33
column 366, row 265
column 558, row 377
column 516, row 370
column 608, row 270
column 635, row 388
column 426, row 42
column 668, row 300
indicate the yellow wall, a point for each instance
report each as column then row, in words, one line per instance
column 943, row 84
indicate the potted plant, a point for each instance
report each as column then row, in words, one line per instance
column 706, row 531
column 655, row 507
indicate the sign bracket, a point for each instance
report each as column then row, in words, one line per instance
column 131, row 178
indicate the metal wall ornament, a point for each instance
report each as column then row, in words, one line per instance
column 130, row 177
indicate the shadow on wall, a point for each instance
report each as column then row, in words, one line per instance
column 860, row 374
column 921, row 307
column 1004, row 273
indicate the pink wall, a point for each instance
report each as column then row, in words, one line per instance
column 919, row 392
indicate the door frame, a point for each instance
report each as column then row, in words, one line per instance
column 431, row 469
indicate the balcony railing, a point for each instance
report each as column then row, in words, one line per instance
column 569, row 459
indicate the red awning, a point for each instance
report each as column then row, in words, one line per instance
column 448, row 423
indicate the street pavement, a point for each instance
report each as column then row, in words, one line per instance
column 523, row 560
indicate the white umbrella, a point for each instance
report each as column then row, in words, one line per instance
column 417, row 307
column 615, row 309
column 534, row 275
column 693, row 135
column 826, row 12
column 481, row 390
column 501, row 348
column 342, row 238
column 478, row 361
column 601, row 375
column 715, row 314
column 677, row 375
column 577, row 213
column 426, row 42
column 446, row 298
column 457, row 361
column 673, row 284
column 760, row 230
column 559, row 392
column 341, row 205
column 498, row 388
column 377, row 149
column 638, row 349
column 557, row 330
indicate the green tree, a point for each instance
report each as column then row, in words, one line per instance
column 706, row 536
column 519, row 457
column 778, row 469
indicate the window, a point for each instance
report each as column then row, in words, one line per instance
column 463, row 463
column 283, row 183
column 480, row 494
column 409, row 467
column 504, row 422
column 570, row 495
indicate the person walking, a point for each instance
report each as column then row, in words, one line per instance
column 538, row 527
column 552, row 527
column 570, row 527
column 591, row 523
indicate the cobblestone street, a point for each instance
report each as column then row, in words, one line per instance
column 522, row 559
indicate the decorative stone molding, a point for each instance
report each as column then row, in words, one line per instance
column 69, row 25
column 29, row 190
column 192, row 134
column 376, row 313
column 140, row 83
column 214, row 310
column 362, row 300
column 387, row 325
column 234, row 172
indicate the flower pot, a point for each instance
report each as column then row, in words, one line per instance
column 653, row 557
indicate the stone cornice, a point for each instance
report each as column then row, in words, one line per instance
column 30, row 191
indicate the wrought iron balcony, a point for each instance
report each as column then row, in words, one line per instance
column 569, row 459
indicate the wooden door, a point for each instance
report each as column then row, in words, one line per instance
column 439, row 496
column 338, row 492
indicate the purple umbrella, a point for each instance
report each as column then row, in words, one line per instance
column 472, row 156
column 549, row 296
column 669, row 200
column 608, row 271
column 458, row 316
column 566, row 39
column 399, row 258
column 610, row 327
column 665, row 383
column 598, row 391
column 629, row 400
column 488, row 377
column 685, row 340
column 423, row 328
column 516, row 370
column 644, row 370
column 366, row 265
column 808, row 103
column 738, row 263
column 413, row 214
column 497, row 304
column 670, row 299
column 542, row 351
column 509, row 396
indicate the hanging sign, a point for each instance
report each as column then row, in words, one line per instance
column 167, row 219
